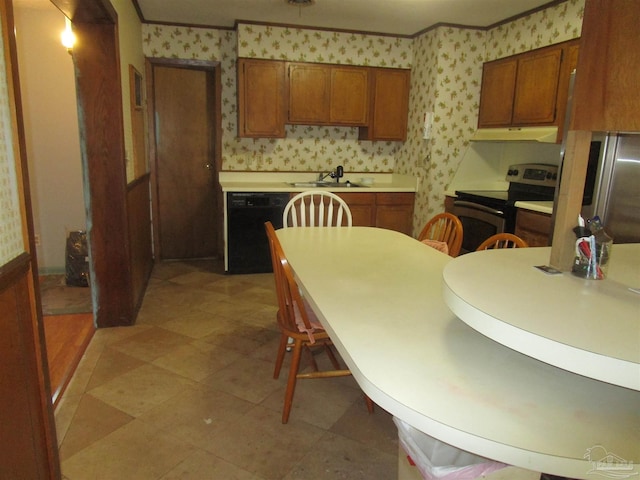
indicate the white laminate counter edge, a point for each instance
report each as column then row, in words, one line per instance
column 541, row 207
column 593, row 365
column 467, row 441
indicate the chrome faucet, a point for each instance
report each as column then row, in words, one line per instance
column 337, row 174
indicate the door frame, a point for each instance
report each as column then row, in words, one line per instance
column 216, row 133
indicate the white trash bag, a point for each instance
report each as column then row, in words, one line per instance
column 437, row 460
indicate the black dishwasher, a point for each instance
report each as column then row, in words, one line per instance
column 247, row 245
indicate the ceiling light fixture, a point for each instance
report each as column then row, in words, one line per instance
column 300, row 4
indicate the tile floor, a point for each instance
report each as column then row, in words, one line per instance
column 188, row 392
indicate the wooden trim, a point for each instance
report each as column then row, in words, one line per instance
column 100, row 104
column 12, row 271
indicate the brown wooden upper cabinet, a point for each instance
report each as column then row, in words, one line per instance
column 389, row 108
column 261, row 98
column 273, row 93
column 528, row 89
column 322, row 94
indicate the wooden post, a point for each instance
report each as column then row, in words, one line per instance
column 569, row 203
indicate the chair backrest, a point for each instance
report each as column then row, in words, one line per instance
column 502, row 240
column 444, row 227
column 316, row 208
column 291, row 308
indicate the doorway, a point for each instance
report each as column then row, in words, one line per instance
column 185, row 150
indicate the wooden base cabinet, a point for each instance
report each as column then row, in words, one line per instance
column 390, row 210
column 533, row 227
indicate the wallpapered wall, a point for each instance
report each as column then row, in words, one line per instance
column 446, row 78
column 446, row 68
column 11, row 239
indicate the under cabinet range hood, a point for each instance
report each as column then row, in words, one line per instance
column 516, row 134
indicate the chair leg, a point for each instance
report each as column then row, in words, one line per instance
column 369, row 403
column 280, row 357
column 291, row 382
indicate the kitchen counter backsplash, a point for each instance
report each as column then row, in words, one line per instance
column 282, row 182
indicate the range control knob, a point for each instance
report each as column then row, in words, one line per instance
column 554, row 176
column 512, row 172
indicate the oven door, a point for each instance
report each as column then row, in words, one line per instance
column 479, row 222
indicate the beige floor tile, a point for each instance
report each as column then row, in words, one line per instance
column 204, row 465
column 111, row 364
column 197, row 361
column 197, row 415
column 336, row 458
column 135, row 451
column 240, row 336
column 208, row 406
column 151, row 344
column 141, row 389
column 93, row 420
column 247, row 378
column 261, row 444
column 375, row 430
column 318, row 401
column 196, row 324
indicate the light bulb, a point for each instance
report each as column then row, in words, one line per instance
column 68, row 37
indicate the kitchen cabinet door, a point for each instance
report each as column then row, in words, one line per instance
column 533, row 227
column 362, row 206
column 261, row 99
column 394, row 211
column 309, row 93
column 496, row 96
column 389, row 108
column 606, row 95
column 349, row 104
column 536, row 88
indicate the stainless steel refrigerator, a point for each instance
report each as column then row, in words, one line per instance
column 614, row 174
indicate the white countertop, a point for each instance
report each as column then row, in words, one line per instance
column 379, row 294
column 542, row 207
column 281, row 182
column 590, row 327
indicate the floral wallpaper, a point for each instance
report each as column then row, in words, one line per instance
column 446, row 65
column 446, row 78
column 305, row 148
column 11, row 239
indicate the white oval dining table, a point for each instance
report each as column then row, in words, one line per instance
column 379, row 294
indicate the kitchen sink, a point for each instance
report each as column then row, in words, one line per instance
column 318, row 184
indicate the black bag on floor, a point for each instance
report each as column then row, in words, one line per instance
column 77, row 260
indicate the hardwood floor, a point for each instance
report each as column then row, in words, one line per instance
column 67, row 337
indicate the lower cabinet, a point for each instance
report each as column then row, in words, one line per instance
column 390, row 210
column 533, row 227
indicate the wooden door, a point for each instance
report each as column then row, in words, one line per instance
column 185, row 167
column 496, row 96
column 536, row 91
column 28, row 445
